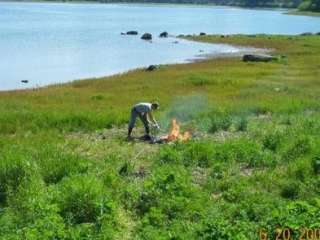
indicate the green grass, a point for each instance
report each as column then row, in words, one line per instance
column 66, row 171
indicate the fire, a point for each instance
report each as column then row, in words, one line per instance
column 174, row 133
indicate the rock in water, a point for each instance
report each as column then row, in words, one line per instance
column 146, row 36
column 164, row 35
column 24, row 81
column 258, row 58
column 151, row 68
column 132, row 33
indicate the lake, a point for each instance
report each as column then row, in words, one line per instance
column 47, row 43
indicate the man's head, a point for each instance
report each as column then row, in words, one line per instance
column 154, row 105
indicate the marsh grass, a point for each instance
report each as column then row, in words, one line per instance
column 66, row 171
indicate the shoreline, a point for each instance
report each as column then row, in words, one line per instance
column 196, row 58
column 278, row 8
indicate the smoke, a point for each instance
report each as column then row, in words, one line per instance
column 184, row 109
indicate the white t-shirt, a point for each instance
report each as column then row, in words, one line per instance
column 143, row 107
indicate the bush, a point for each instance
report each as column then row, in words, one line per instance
column 241, row 124
column 82, row 199
column 219, row 121
column 54, row 165
column 170, row 155
column 272, row 141
column 169, row 190
column 301, row 146
column 188, row 154
column 242, row 150
column 316, row 164
column 13, row 170
column 290, row 190
column 199, row 153
column 32, row 208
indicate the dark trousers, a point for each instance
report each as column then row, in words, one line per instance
column 143, row 118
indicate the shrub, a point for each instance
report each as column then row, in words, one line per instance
column 241, row 124
column 316, row 163
column 199, row 153
column 242, row 150
column 219, row 121
column 35, row 211
column 55, row 165
column 272, row 141
column 82, row 200
column 290, row 190
column 301, row 146
column 13, row 170
column 170, row 190
column 170, row 154
column 126, row 169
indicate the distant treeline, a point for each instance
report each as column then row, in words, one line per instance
column 303, row 5
column 310, row 5
column 240, row 3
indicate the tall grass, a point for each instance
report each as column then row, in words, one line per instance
column 66, row 171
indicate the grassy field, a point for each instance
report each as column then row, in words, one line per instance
column 66, row 171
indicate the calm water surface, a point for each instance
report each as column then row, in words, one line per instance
column 55, row 43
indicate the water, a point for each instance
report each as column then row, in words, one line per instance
column 48, row 43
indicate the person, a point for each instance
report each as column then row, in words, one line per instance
column 144, row 112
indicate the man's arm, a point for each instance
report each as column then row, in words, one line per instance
column 151, row 119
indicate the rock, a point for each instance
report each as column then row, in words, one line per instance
column 201, row 50
column 175, row 42
column 164, row 35
column 146, row 36
column 132, row 33
column 24, row 81
column 306, row 34
column 258, row 58
column 151, row 68
column 202, row 34
column 122, row 33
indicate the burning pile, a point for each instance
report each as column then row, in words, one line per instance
column 174, row 134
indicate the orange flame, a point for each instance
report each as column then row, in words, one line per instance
column 174, row 133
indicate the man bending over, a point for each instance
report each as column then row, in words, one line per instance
column 144, row 112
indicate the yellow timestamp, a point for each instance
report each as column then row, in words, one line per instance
column 289, row 234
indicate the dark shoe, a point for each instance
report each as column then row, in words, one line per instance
column 146, row 137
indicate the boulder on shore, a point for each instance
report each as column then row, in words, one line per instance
column 258, row 58
column 164, row 35
column 132, row 33
column 146, row 36
column 151, row 68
